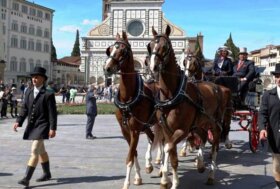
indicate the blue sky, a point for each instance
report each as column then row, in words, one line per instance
column 252, row 23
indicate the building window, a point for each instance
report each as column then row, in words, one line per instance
column 31, row 44
column 14, row 41
column 46, row 47
column 135, row 28
column 3, row 3
column 22, row 65
column 46, row 66
column 47, row 16
column 3, row 16
column 39, row 32
column 23, row 43
column 14, row 26
column 32, row 12
column 38, row 46
column 39, row 14
column 13, row 65
column 46, row 34
column 38, row 63
column 23, row 28
column 24, row 9
column 31, row 64
column 153, row 20
column 4, row 29
column 15, row 6
column 31, row 30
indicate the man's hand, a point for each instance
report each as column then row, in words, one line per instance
column 263, row 134
column 52, row 133
column 15, row 126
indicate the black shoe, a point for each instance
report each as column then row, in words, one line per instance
column 24, row 182
column 44, row 177
column 91, row 137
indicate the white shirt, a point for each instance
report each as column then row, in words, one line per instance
column 36, row 91
column 278, row 91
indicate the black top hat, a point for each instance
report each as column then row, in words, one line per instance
column 277, row 69
column 39, row 71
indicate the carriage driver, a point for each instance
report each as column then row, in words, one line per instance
column 269, row 123
column 245, row 71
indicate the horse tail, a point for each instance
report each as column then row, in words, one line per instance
column 227, row 113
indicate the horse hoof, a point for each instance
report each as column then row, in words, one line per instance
column 201, row 170
column 157, row 161
column 183, row 154
column 137, row 181
column 210, row 181
column 126, row 186
column 166, row 186
column 228, row 146
column 149, row 169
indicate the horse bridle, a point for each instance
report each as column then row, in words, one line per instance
column 163, row 58
column 125, row 52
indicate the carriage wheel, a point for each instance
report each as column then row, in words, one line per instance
column 254, row 136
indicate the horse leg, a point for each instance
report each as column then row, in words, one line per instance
column 148, row 157
column 137, row 178
column 174, row 165
column 183, row 151
column 132, row 153
column 165, row 180
column 159, row 154
column 200, row 159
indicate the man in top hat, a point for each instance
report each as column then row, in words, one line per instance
column 222, row 65
column 40, row 107
column 269, row 123
column 245, row 71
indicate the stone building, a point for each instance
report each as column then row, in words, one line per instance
column 27, row 32
column 136, row 17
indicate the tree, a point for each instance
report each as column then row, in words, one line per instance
column 235, row 50
column 197, row 51
column 76, row 48
column 53, row 52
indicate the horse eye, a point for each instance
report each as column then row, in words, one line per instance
column 117, row 46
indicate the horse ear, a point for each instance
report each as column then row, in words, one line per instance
column 124, row 36
column 118, row 37
column 167, row 30
column 154, row 31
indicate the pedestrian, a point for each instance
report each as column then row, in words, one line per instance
column 269, row 123
column 91, row 111
column 50, row 87
column 12, row 99
column 40, row 108
column 73, row 93
column 244, row 70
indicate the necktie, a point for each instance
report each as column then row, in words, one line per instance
column 240, row 65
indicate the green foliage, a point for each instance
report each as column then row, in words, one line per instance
column 102, row 108
column 235, row 50
column 76, row 48
column 53, row 52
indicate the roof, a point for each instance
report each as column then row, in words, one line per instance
column 71, row 60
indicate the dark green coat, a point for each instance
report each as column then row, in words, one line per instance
column 41, row 113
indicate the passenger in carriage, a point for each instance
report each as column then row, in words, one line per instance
column 268, row 122
column 245, row 71
column 222, row 65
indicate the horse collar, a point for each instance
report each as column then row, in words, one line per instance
column 126, row 106
column 180, row 95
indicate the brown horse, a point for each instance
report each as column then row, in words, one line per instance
column 195, row 70
column 135, row 103
column 183, row 107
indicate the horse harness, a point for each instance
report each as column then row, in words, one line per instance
column 126, row 107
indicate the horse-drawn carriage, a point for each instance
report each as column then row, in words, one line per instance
column 178, row 107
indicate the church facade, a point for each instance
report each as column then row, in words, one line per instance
column 136, row 17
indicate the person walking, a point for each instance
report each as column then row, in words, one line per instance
column 91, row 111
column 269, row 123
column 39, row 106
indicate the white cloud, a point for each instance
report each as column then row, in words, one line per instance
column 69, row 28
column 90, row 22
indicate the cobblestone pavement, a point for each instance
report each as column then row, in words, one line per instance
column 77, row 163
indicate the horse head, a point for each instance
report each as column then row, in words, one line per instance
column 119, row 56
column 160, row 50
column 194, row 66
